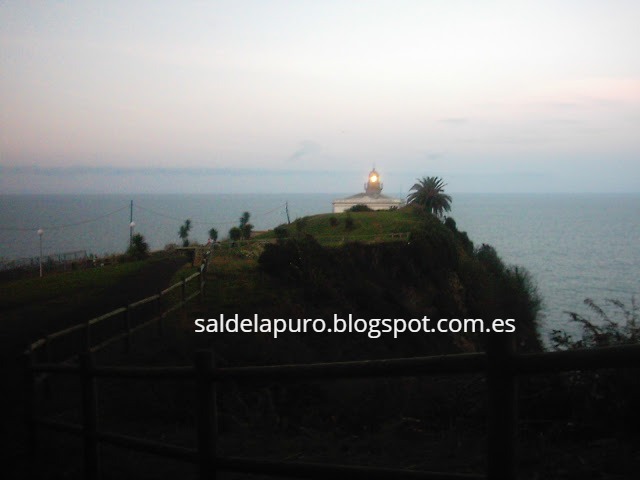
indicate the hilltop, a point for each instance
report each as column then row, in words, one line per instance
column 402, row 263
column 351, row 226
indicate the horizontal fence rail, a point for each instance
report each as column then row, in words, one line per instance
column 43, row 346
column 500, row 363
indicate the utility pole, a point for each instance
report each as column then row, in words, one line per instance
column 40, row 232
column 286, row 207
column 131, row 224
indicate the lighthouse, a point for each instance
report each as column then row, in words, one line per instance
column 372, row 197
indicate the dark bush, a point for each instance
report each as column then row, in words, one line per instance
column 138, row 249
column 359, row 208
column 281, row 232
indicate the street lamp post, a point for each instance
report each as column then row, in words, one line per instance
column 40, row 232
column 131, row 225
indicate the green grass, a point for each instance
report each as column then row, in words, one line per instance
column 235, row 283
column 367, row 226
column 59, row 287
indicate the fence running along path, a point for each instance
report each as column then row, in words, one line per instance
column 49, row 261
column 500, row 363
column 43, row 347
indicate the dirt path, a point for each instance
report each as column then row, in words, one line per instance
column 22, row 327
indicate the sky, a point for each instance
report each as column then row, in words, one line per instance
column 307, row 96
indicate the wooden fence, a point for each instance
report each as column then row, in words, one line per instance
column 501, row 364
column 51, row 261
column 42, row 349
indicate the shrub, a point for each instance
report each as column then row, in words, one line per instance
column 359, row 208
column 614, row 328
column 466, row 242
column 235, row 234
column 608, row 397
column 281, row 232
column 333, row 221
column 138, row 249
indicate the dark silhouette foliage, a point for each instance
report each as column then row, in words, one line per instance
column 614, row 323
column 245, row 227
column 281, row 232
column 360, row 208
column 235, row 234
column 464, row 239
column 139, row 249
column 183, row 232
column 431, row 275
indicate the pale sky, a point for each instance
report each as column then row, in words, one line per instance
column 306, row 96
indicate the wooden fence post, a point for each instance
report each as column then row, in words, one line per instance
column 30, row 401
column 89, row 418
column 87, row 336
column 48, row 358
column 206, row 415
column 183, row 307
column 127, row 327
column 159, row 314
column 201, row 278
column 503, row 415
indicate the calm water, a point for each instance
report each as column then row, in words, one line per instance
column 576, row 246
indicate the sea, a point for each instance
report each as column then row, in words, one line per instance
column 575, row 246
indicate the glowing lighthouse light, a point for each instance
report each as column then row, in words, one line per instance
column 372, row 196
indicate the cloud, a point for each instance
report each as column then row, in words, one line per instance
column 306, row 148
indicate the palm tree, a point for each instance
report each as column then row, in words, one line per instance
column 183, row 233
column 429, row 192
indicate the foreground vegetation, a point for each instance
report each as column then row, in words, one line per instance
column 65, row 285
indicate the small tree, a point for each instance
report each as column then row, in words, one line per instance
column 213, row 234
column 245, row 227
column 183, row 233
column 235, row 234
column 138, row 249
